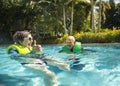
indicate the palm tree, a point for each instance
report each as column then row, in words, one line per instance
column 99, row 20
column 92, row 15
column 102, row 9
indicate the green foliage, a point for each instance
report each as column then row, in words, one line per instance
column 47, row 16
column 104, row 6
column 81, row 14
column 38, row 15
column 102, row 37
column 87, row 37
column 112, row 16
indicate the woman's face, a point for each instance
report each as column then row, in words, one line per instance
column 27, row 41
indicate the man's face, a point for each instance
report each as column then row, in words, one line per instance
column 70, row 43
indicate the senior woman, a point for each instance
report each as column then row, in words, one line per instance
column 30, row 56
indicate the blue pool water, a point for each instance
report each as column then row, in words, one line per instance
column 100, row 66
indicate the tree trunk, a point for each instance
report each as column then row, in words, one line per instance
column 64, row 21
column 71, row 26
column 92, row 16
column 99, row 20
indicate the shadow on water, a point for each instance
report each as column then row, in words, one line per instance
column 78, row 67
column 54, row 69
column 6, row 80
column 74, row 66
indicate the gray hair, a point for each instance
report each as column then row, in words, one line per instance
column 20, row 35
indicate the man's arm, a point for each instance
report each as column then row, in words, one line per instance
column 60, row 51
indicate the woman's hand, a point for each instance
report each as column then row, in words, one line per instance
column 37, row 48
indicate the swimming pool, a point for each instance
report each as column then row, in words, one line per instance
column 101, row 67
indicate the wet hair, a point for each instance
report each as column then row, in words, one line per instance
column 20, row 35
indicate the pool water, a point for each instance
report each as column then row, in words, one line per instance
column 98, row 66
